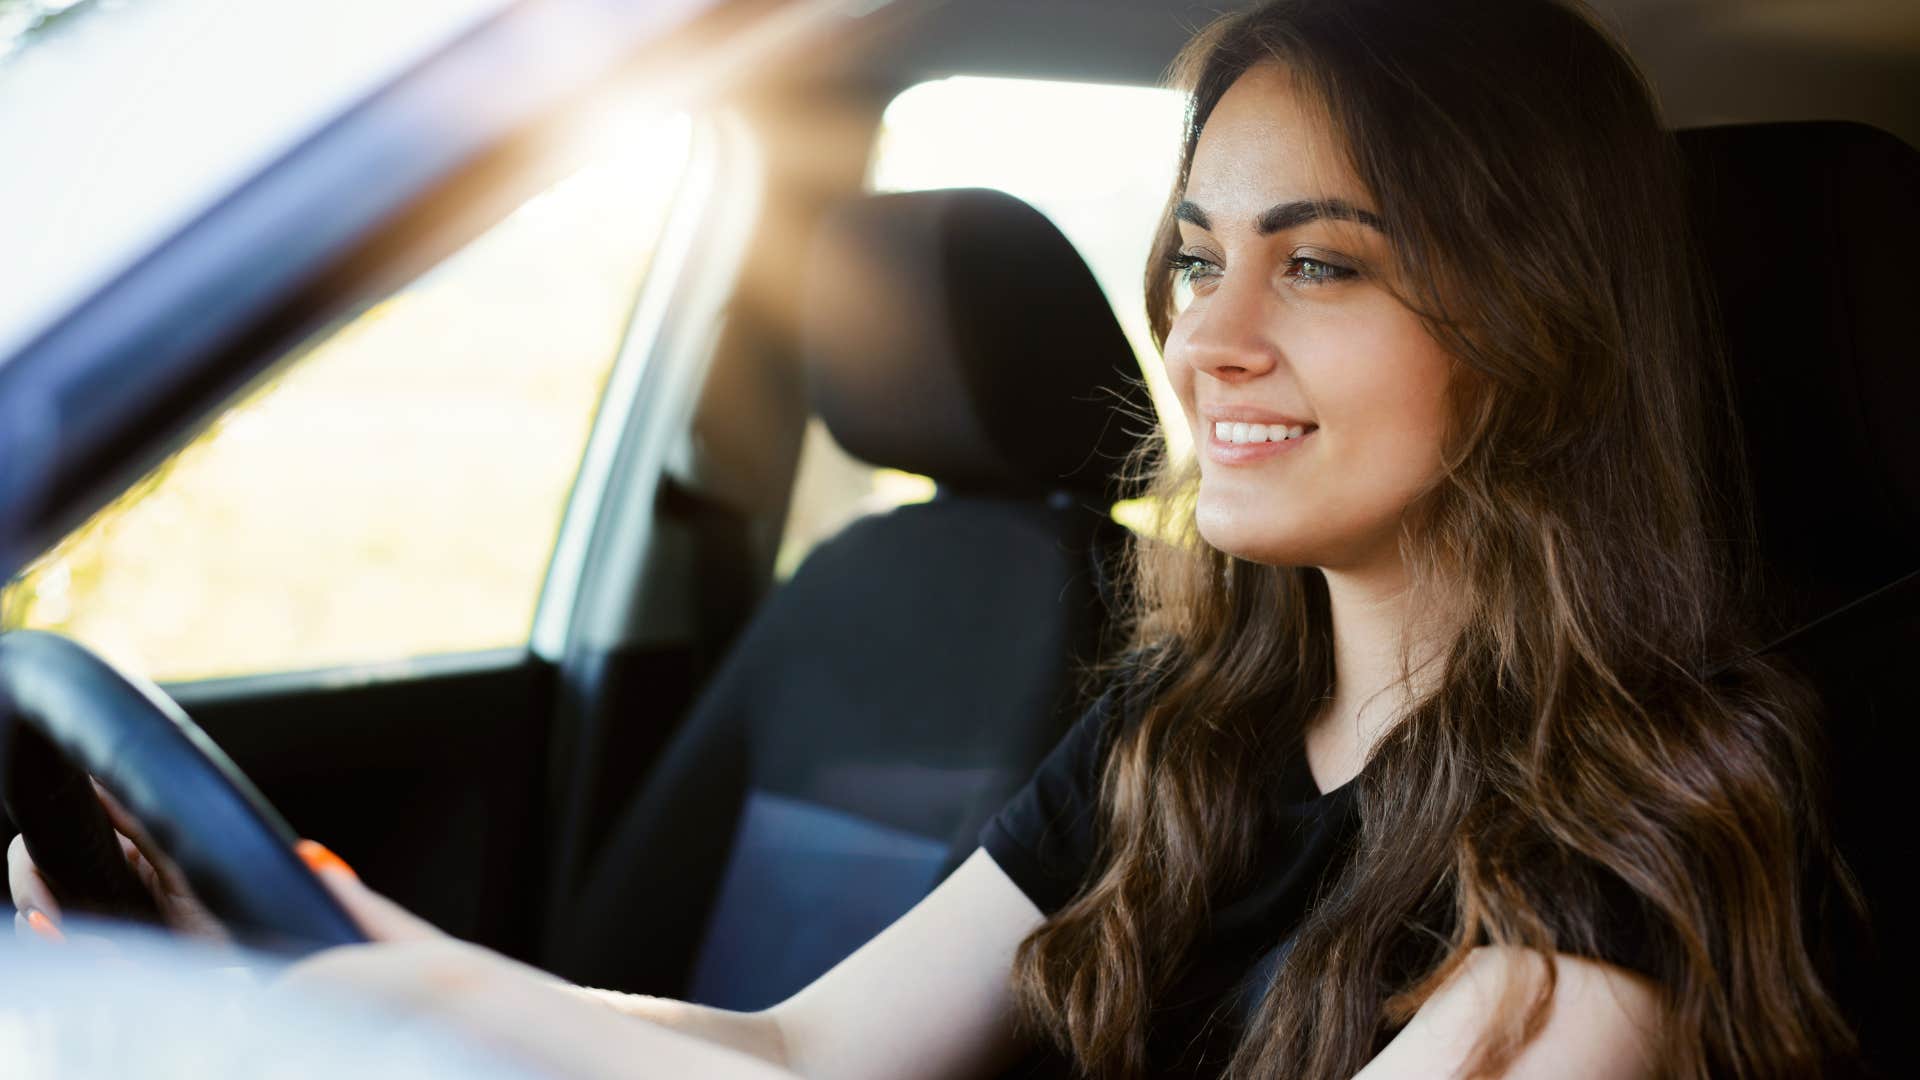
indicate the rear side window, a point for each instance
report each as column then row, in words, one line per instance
column 396, row 487
column 1097, row 159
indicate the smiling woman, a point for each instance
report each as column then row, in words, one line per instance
column 1443, row 744
column 1296, row 336
column 1435, row 676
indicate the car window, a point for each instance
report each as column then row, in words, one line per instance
column 1097, row 159
column 395, row 487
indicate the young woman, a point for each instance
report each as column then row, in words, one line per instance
column 1438, row 750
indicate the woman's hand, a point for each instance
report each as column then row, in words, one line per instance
column 378, row 917
column 426, row 973
column 37, row 913
column 536, row 1017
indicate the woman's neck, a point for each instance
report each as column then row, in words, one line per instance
column 1372, row 621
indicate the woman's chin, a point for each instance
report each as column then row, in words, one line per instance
column 1253, row 540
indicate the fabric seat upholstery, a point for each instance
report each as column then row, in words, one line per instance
column 892, row 695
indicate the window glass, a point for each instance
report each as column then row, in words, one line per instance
column 1097, row 159
column 396, row 487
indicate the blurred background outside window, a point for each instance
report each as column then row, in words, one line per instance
column 1097, row 159
column 395, row 487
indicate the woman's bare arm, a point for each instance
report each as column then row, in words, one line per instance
column 514, row 1010
column 927, row 998
column 755, row 1033
column 1603, row 1022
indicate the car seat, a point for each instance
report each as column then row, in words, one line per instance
column 892, row 695
column 1809, row 230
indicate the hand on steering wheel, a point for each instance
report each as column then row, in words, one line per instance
column 177, row 801
column 37, row 909
column 180, row 909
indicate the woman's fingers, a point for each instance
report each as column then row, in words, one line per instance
column 33, row 925
column 161, row 876
column 168, row 877
column 30, row 890
column 180, row 907
column 380, row 918
column 38, row 914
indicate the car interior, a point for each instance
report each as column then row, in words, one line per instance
column 709, row 775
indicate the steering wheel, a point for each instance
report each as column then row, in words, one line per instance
column 65, row 713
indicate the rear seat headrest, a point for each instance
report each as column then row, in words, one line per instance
column 1809, row 230
column 958, row 334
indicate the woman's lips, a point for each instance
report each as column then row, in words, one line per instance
column 1232, row 453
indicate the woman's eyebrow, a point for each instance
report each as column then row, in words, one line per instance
column 1287, row 215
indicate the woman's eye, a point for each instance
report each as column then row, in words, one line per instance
column 1190, row 269
column 1195, row 274
column 1192, row 275
column 1311, row 271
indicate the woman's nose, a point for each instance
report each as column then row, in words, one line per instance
column 1233, row 340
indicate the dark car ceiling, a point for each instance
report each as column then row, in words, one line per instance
column 1712, row 61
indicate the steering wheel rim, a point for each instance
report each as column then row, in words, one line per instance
column 234, row 849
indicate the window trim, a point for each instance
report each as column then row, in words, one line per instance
column 652, row 392
column 601, row 590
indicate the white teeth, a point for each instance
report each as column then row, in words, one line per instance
column 1229, row 432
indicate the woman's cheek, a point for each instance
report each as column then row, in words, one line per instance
column 1179, row 372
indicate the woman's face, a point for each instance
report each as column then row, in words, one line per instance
column 1286, row 324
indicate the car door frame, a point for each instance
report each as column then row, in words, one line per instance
column 279, row 258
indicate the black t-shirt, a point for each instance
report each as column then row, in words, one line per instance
column 1043, row 839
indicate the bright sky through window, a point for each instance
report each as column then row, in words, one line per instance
column 1096, row 159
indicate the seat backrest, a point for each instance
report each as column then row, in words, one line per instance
column 1809, row 230
column 905, row 682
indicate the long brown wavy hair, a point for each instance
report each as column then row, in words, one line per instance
column 1599, row 725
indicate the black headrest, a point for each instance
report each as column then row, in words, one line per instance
column 959, row 335
column 1810, row 231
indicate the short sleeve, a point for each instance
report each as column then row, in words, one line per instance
column 1044, row 837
